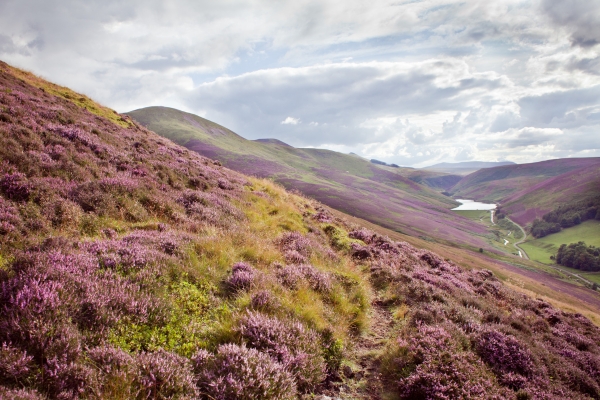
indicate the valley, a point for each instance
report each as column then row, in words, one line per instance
column 133, row 267
column 405, row 200
column 391, row 197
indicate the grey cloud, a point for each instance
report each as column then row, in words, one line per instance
column 590, row 65
column 504, row 122
column 580, row 17
column 7, row 45
column 530, row 137
column 556, row 108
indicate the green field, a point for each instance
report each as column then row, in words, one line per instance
column 541, row 249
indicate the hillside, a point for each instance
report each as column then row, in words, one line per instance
column 465, row 168
column 387, row 196
column 131, row 267
column 528, row 191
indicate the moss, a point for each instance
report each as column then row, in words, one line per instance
column 194, row 316
column 339, row 238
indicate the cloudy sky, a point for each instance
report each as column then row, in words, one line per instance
column 414, row 82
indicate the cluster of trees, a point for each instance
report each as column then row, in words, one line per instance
column 579, row 256
column 374, row 161
column 541, row 228
column 566, row 216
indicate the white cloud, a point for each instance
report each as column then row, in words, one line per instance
column 290, row 121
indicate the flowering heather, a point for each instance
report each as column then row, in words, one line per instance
column 238, row 372
column 292, row 275
column 263, row 300
column 290, row 343
column 241, row 278
column 115, row 244
column 164, row 375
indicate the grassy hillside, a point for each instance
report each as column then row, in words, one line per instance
column 133, row 268
column 388, row 196
column 541, row 249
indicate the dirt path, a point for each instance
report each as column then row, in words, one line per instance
column 367, row 352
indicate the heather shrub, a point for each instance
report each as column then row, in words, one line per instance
column 242, row 277
column 15, row 186
column 295, row 242
column 238, row 372
column 117, row 371
column 294, row 257
column 263, row 301
column 19, row 394
column 15, row 364
column 434, row 366
column 165, row 375
column 63, row 214
column 363, row 234
column 292, row 275
column 504, row 354
column 290, row 343
column 10, row 220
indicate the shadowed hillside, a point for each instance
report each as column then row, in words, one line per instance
column 388, row 196
column 465, row 168
column 133, row 268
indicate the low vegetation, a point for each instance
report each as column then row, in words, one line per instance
column 131, row 267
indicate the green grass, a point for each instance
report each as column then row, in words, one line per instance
column 475, row 215
column 541, row 249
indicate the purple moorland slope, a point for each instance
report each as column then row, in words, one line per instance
column 131, row 267
column 535, row 201
column 528, row 191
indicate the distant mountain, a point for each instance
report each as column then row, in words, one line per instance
column 528, row 191
column 465, row 168
column 385, row 195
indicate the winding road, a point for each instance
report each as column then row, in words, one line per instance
column 522, row 252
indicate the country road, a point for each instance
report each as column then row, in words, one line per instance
column 522, row 252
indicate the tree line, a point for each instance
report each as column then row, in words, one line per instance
column 579, row 256
column 566, row 216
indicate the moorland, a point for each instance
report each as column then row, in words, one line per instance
column 133, row 267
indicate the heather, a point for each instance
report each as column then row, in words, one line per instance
column 131, row 267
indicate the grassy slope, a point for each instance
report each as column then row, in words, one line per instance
column 541, row 249
column 345, row 182
column 117, row 280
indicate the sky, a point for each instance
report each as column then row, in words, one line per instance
column 411, row 82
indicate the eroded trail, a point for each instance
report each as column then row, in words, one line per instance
column 370, row 347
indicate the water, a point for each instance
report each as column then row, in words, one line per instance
column 473, row 205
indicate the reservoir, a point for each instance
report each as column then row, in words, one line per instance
column 473, row 205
